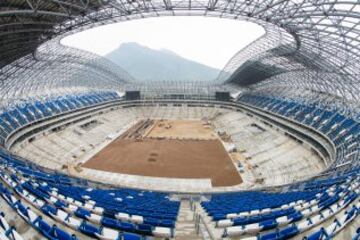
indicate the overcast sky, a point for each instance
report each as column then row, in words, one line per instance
column 211, row 41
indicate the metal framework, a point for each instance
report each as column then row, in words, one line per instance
column 309, row 44
column 57, row 70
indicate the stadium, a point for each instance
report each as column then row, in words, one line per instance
column 267, row 150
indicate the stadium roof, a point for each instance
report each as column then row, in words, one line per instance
column 309, row 44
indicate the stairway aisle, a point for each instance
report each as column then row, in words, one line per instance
column 185, row 226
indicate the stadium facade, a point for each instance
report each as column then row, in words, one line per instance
column 300, row 78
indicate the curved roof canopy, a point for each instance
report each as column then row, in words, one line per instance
column 310, row 44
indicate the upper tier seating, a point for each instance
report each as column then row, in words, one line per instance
column 343, row 131
column 26, row 113
column 100, row 213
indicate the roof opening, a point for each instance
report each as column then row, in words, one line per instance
column 169, row 48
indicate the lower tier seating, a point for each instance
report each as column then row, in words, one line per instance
column 7, row 232
column 99, row 213
column 357, row 234
column 262, row 215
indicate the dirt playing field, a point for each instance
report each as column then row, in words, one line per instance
column 182, row 129
column 168, row 158
column 173, row 158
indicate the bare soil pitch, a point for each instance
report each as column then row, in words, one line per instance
column 182, row 129
column 170, row 158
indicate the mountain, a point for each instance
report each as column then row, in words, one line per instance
column 147, row 64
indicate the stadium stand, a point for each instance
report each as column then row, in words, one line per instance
column 357, row 235
column 95, row 212
column 26, row 113
column 287, row 161
column 341, row 130
column 289, row 213
column 107, row 214
column 293, row 93
column 130, row 214
column 7, row 231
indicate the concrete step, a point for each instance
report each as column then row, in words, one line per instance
column 185, row 226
